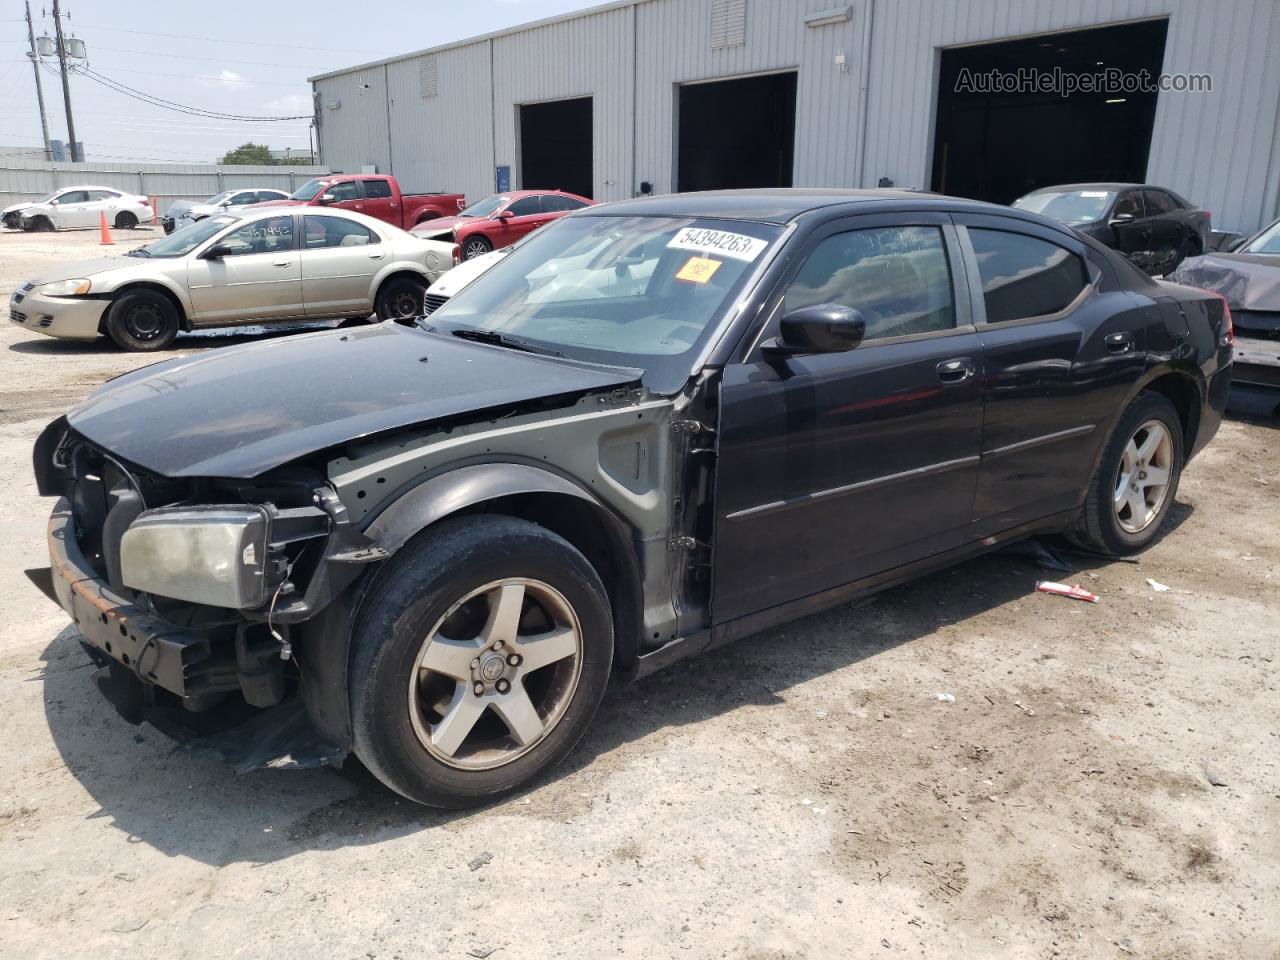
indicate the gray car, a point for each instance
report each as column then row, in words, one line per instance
column 274, row 264
column 183, row 213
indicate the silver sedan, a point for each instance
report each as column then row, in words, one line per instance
column 264, row 266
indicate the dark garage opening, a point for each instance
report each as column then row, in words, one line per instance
column 737, row 133
column 998, row 146
column 555, row 146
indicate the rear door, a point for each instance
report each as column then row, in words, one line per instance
column 380, row 201
column 1061, row 357
column 260, row 279
column 339, row 260
column 835, row 467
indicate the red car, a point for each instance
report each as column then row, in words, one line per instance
column 501, row 220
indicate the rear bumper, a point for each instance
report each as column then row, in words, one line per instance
column 72, row 318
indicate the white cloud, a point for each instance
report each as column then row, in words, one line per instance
column 223, row 80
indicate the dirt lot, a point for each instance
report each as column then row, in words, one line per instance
column 804, row 794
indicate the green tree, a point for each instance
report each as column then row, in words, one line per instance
column 255, row 153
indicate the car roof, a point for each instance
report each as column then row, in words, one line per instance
column 1110, row 187
column 783, row 205
column 91, row 186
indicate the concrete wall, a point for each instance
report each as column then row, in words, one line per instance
column 857, row 121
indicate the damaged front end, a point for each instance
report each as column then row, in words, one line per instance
column 186, row 593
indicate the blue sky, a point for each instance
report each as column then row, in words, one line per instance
column 233, row 56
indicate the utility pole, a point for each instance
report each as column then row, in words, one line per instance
column 76, row 152
column 35, row 66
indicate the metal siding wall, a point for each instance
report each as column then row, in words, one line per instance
column 28, row 179
column 356, row 133
column 1217, row 149
column 444, row 142
column 587, row 56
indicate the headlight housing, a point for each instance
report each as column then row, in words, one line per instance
column 65, row 288
column 211, row 555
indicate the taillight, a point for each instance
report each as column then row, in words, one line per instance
column 457, row 255
column 1228, row 326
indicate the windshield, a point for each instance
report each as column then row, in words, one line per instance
column 484, row 208
column 309, row 190
column 47, row 197
column 218, row 198
column 628, row 291
column 183, row 241
column 1268, row 241
column 1067, row 206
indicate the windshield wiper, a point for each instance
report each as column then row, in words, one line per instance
column 503, row 340
column 139, row 252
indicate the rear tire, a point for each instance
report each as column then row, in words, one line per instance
column 142, row 321
column 401, row 299
column 440, row 712
column 476, row 246
column 1127, row 504
column 126, row 220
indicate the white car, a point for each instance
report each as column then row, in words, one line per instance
column 77, row 208
column 281, row 263
column 182, row 213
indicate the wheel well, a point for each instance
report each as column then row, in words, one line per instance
column 602, row 540
column 183, row 322
column 426, row 215
column 1181, row 391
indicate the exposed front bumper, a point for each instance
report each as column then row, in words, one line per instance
column 1257, row 362
column 157, row 652
column 74, row 318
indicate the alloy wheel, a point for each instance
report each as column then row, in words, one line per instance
column 495, row 674
column 1142, row 481
column 476, row 248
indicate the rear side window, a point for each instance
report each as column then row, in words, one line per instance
column 321, row 232
column 898, row 277
column 1159, row 202
column 271, row 195
column 240, row 199
column 1024, row 276
column 557, row 203
column 377, row 189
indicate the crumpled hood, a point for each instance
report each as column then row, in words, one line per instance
column 17, row 207
column 433, row 228
column 240, row 411
column 83, row 268
column 178, row 208
column 1249, row 281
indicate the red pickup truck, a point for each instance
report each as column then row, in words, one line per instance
column 375, row 195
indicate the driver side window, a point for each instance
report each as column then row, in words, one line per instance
column 261, row 236
column 1129, row 204
column 345, row 190
column 898, row 277
column 73, row 196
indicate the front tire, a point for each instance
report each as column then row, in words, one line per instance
column 479, row 656
column 142, row 321
column 1136, row 481
column 401, row 299
column 476, row 246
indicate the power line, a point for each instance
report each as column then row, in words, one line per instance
column 175, row 106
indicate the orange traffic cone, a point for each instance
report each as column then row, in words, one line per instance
column 106, row 231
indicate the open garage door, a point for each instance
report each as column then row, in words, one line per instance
column 999, row 145
column 737, row 133
column 555, row 146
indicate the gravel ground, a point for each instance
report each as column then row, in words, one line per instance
column 803, row 794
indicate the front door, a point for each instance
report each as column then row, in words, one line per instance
column 1165, row 220
column 835, row 467
column 339, row 260
column 1132, row 232
column 259, row 279
column 526, row 216
column 73, row 210
column 1061, row 358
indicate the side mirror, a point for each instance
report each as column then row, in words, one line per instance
column 326, row 199
column 821, row 328
column 1234, row 245
column 217, row 252
column 1120, row 219
column 503, row 215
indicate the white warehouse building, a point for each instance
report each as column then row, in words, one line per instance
column 658, row 96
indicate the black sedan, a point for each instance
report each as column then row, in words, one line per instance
column 654, row 427
column 1152, row 226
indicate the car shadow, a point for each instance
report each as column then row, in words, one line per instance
column 194, row 340
column 195, row 806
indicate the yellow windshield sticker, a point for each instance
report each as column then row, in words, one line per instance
column 698, row 270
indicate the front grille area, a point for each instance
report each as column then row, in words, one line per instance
column 17, row 316
column 434, row 302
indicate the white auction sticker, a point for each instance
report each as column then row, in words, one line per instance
column 1094, row 193
column 739, row 246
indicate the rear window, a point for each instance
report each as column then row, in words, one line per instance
column 1024, row 276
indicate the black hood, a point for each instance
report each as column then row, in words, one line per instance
column 239, row 411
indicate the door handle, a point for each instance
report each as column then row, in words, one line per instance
column 1119, row 342
column 281, row 263
column 956, row 371
column 375, row 256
